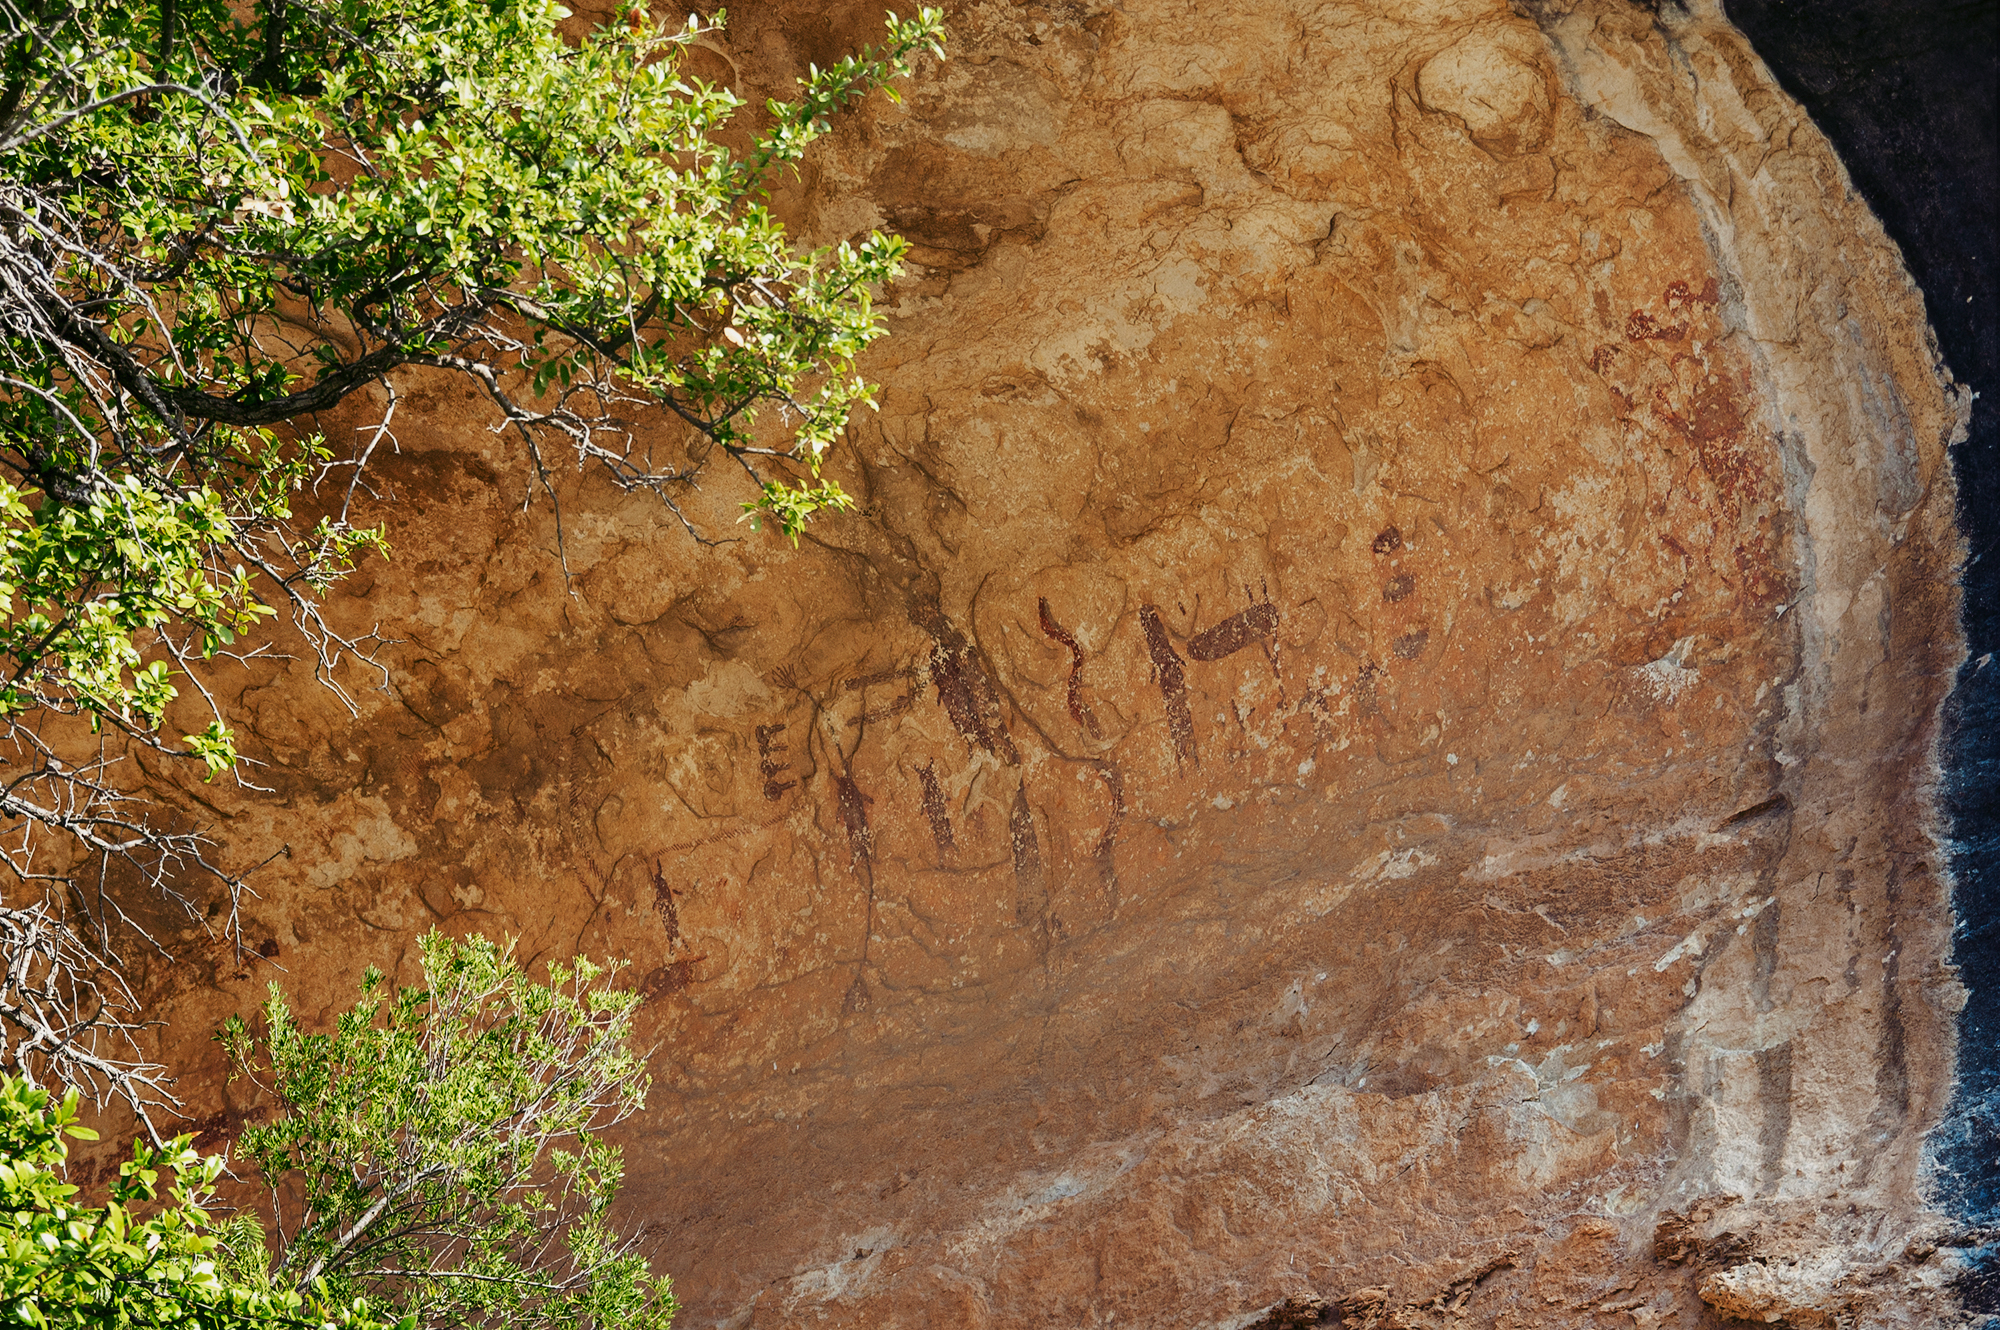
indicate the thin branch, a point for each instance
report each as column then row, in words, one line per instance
column 70, row 117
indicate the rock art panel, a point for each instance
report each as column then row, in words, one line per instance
column 1367, row 750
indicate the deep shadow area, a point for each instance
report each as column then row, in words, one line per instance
column 1906, row 91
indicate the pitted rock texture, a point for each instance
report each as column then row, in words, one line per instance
column 1367, row 758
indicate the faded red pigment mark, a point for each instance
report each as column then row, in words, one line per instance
column 1713, row 423
column 214, row 1128
column 964, row 690
column 1643, row 327
column 1114, row 784
column 1029, row 898
column 663, row 901
column 937, row 812
column 672, row 978
column 1031, row 892
column 1387, row 540
column 1171, row 674
column 682, row 847
column 1365, row 697
column 664, row 980
column 769, row 763
column 1079, row 711
column 896, row 705
column 1234, row 633
column 853, row 805
column 1680, row 296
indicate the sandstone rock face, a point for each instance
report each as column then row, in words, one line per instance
column 1367, row 757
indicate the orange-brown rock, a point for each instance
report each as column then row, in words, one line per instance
column 1365, row 760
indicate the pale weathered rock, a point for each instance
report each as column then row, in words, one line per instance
column 1371, row 742
column 1754, row 1291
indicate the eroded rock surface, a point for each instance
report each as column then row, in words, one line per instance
column 1367, row 757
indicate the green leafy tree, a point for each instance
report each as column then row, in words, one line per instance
column 152, row 1258
column 219, row 219
column 440, row 1151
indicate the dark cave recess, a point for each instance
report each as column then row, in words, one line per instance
column 1906, row 89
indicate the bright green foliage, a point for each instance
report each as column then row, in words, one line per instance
column 438, row 1155
column 439, row 1151
column 220, row 219
column 82, row 585
column 151, row 1258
